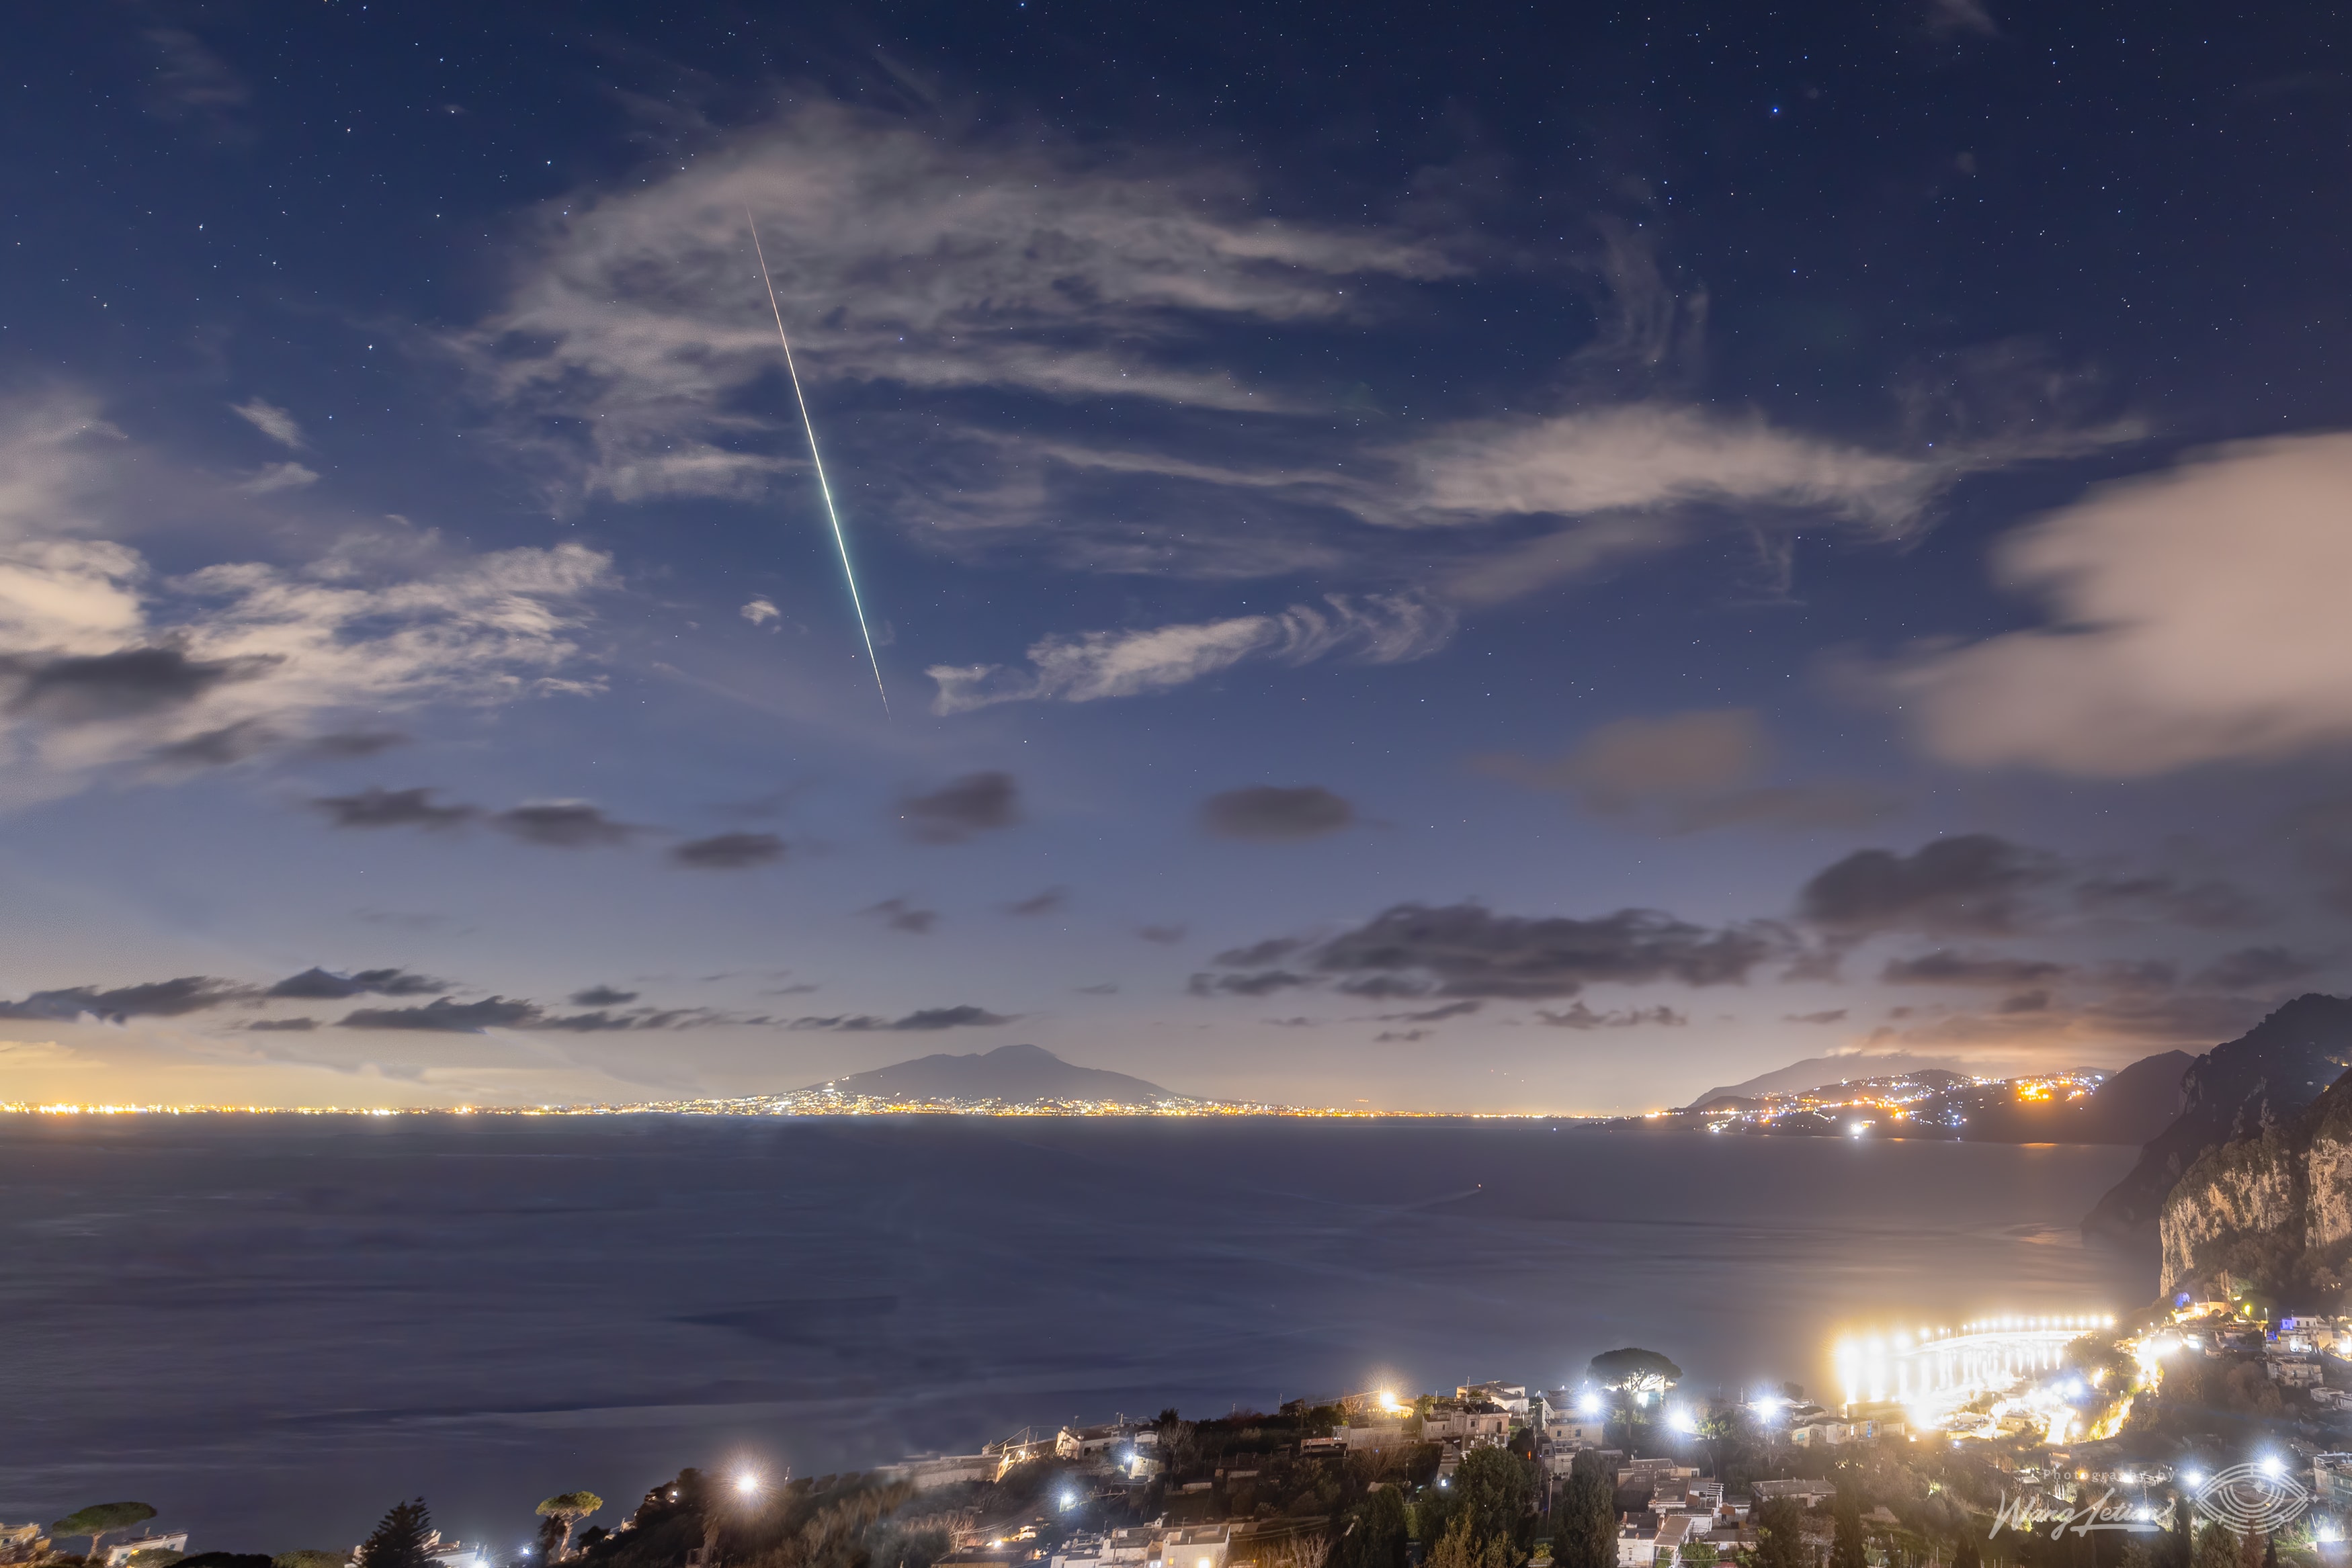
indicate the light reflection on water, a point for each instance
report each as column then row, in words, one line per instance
column 272, row 1328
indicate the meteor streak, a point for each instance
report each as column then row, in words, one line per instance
column 839, row 539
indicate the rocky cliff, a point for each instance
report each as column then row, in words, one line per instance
column 2231, row 1094
column 2274, row 1211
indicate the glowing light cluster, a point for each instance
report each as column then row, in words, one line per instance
column 1934, row 1370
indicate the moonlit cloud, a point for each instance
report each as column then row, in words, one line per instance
column 274, row 477
column 104, row 663
column 1092, row 665
column 923, row 260
column 2196, row 616
column 272, row 421
column 1690, row 772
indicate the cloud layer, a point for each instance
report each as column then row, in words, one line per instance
column 2197, row 616
column 1091, row 665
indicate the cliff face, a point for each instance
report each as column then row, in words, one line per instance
column 2233, row 1094
column 2274, row 1209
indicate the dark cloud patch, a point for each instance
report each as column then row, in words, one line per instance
column 322, row 985
column 1578, row 1015
column 602, row 997
column 350, row 745
column 1833, row 1015
column 1258, row 955
column 1973, row 883
column 602, row 1020
column 563, row 825
column 156, row 999
column 2259, row 968
column 2194, row 1017
column 920, row 1021
column 220, row 748
column 1271, row 812
column 2034, row 1001
column 2209, row 905
column 1045, row 903
column 598, row 1022
column 1386, row 988
column 1435, row 1014
column 1262, row 983
column 1946, row 967
column 447, row 1017
column 1400, row 1036
column 271, row 1026
column 92, row 688
column 2136, row 974
column 730, row 851
column 1466, row 950
column 378, row 808
column 899, row 915
column 1166, row 935
column 2320, row 834
column 974, row 804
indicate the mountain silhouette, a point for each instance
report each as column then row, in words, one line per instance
column 1017, row 1073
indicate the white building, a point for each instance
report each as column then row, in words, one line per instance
column 121, row 1552
column 2293, row 1372
column 1196, row 1546
column 1659, row 1545
column 1563, row 1431
column 1510, row 1396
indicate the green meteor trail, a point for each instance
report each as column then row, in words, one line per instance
column 840, row 540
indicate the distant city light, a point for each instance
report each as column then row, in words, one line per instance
column 747, row 1483
column 1857, row 1129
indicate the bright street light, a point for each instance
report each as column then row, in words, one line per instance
column 747, row 1483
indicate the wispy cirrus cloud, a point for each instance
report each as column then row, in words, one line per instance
column 1092, row 665
column 902, row 256
column 102, row 662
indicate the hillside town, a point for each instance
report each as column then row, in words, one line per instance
column 2197, row 1434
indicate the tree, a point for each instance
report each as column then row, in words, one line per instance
column 1700, row 1554
column 1633, row 1369
column 1781, row 1535
column 2216, row 1547
column 102, row 1519
column 309, row 1558
column 1381, row 1529
column 570, row 1508
column 1494, row 1488
column 1967, row 1556
column 1584, row 1517
column 401, row 1538
column 1846, row 1531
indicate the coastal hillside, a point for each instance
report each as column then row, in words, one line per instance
column 1819, row 1071
column 1017, row 1074
column 2233, row 1094
column 2131, row 1107
column 2273, row 1212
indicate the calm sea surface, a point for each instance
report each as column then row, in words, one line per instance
column 273, row 1328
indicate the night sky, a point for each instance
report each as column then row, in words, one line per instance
column 1491, row 557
